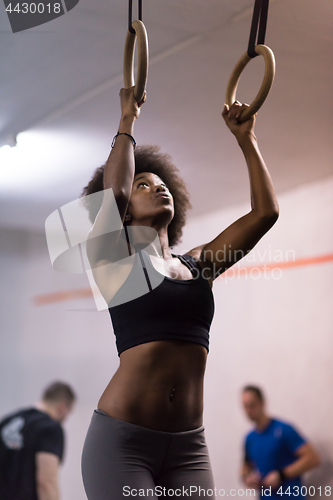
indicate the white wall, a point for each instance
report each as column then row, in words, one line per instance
column 272, row 332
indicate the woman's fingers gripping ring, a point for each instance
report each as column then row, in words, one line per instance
column 236, row 110
column 144, row 98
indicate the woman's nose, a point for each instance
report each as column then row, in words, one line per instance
column 159, row 188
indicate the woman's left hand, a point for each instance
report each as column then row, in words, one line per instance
column 231, row 116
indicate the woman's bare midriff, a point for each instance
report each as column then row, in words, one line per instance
column 158, row 385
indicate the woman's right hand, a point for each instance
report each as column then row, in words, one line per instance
column 129, row 107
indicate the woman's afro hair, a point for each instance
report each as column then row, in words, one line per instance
column 150, row 159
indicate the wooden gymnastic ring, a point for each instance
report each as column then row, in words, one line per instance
column 230, row 95
column 142, row 71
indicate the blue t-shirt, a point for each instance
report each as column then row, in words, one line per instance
column 273, row 449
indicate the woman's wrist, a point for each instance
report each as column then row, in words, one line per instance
column 127, row 135
column 126, row 124
column 246, row 138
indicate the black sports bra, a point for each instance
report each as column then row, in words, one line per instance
column 150, row 306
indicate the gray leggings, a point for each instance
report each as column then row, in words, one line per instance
column 122, row 460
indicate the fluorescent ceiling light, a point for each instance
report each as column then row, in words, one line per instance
column 41, row 159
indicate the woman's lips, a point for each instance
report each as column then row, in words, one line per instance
column 163, row 195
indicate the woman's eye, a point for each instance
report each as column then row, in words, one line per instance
column 142, row 184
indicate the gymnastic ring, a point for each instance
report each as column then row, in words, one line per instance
column 142, row 71
column 258, row 101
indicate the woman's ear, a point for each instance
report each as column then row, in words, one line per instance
column 128, row 217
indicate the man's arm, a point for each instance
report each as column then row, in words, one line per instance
column 47, row 465
column 250, row 476
column 307, row 458
column 246, row 469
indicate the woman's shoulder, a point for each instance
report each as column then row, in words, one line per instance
column 198, row 258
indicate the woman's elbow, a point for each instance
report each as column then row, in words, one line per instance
column 267, row 218
column 273, row 215
column 273, row 211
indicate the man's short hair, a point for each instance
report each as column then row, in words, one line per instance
column 58, row 391
column 258, row 392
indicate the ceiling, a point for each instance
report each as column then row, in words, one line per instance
column 60, row 83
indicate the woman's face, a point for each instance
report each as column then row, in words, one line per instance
column 151, row 202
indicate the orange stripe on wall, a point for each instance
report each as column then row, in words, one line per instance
column 308, row 261
column 50, row 298
column 82, row 293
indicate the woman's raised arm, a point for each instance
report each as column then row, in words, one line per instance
column 119, row 169
column 240, row 237
column 118, row 175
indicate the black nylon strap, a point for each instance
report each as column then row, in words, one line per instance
column 130, row 14
column 145, row 271
column 186, row 260
column 259, row 19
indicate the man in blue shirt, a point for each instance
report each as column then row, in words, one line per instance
column 275, row 453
